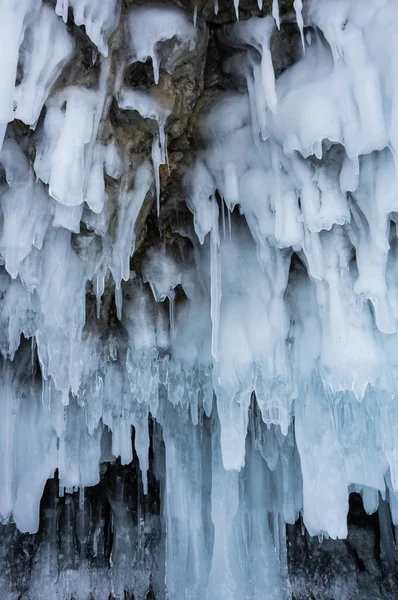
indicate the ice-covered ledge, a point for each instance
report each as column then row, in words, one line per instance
column 198, row 299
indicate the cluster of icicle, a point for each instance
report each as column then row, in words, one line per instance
column 290, row 282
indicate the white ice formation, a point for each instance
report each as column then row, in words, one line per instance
column 263, row 346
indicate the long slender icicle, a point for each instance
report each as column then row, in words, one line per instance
column 275, row 13
column 236, row 5
column 298, row 7
column 215, row 275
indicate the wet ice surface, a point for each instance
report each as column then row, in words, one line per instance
column 283, row 288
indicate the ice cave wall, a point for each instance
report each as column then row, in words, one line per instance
column 198, row 299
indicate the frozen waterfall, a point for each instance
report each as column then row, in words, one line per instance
column 198, row 291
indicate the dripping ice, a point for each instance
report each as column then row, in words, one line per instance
column 260, row 345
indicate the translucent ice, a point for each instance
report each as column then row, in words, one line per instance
column 234, row 353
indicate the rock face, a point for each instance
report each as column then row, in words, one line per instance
column 159, row 404
column 362, row 566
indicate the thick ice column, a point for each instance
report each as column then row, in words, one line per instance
column 325, row 485
column 45, row 566
column 124, row 537
column 388, row 412
column 46, row 49
column 25, row 227
column 183, row 505
column 79, row 452
column 9, row 403
column 346, row 324
column 363, row 438
column 257, row 548
column 56, row 273
column 35, row 458
column 226, row 579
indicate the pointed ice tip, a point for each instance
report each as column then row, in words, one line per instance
column 236, row 4
column 298, row 7
column 275, row 13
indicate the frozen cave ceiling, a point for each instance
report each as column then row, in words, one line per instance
column 198, row 299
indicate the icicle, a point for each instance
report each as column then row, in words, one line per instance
column 260, row 4
column 275, row 12
column 268, row 78
column 276, row 533
column 298, row 7
column 259, row 101
column 166, row 154
column 33, row 351
column 225, row 578
column 158, row 159
column 100, row 287
column 195, row 14
column 236, row 5
column 61, row 9
column 215, row 276
column 118, row 301
column 171, row 315
column 231, row 184
column 253, row 110
column 3, row 127
column 223, row 207
column 257, row 32
column 216, row 7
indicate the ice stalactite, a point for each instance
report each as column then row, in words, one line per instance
column 99, row 18
column 224, row 364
